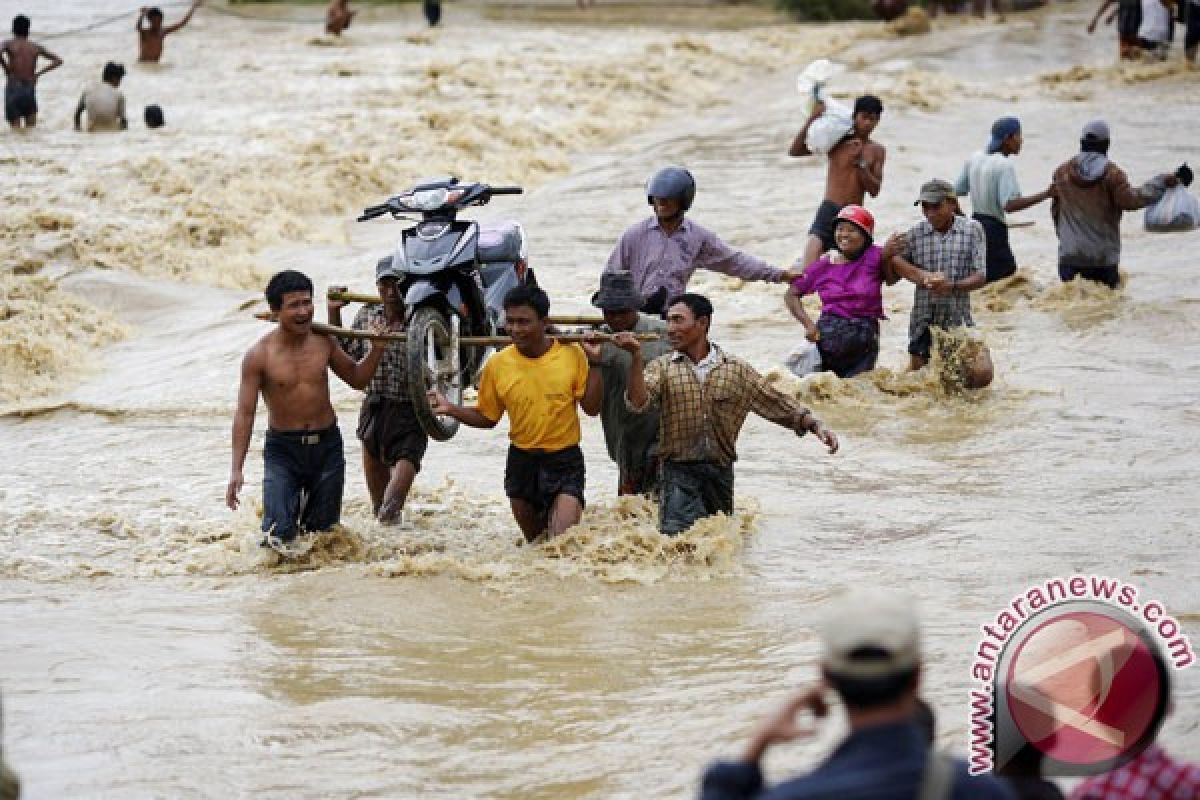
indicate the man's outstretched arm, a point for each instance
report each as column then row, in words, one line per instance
column 243, row 421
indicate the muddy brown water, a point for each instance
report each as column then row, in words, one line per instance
column 150, row 650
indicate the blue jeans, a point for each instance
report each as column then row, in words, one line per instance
column 303, row 478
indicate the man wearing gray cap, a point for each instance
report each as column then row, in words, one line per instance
column 871, row 659
column 991, row 179
column 1090, row 193
column 944, row 256
column 393, row 442
column 632, row 439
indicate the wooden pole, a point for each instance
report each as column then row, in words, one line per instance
column 359, row 297
column 485, row 341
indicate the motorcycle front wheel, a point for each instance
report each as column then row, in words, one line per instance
column 433, row 363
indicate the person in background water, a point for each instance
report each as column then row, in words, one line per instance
column 1191, row 36
column 539, row 382
column 631, row 439
column 338, row 17
column 991, row 180
column 103, row 102
column 850, row 285
column 393, row 442
column 855, row 170
column 703, row 397
column 663, row 251
column 1090, row 194
column 1129, row 22
column 19, row 58
column 151, row 31
column 304, row 467
column 433, row 12
column 871, row 658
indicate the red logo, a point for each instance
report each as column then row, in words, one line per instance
column 1084, row 688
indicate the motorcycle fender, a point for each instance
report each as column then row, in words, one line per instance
column 423, row 293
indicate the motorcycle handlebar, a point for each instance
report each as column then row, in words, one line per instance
column 506, row 190
column 371, row 212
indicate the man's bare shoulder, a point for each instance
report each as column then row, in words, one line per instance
column 872, row 146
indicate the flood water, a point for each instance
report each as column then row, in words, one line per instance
column 151, row 650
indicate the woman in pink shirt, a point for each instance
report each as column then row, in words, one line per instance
column 849, row 282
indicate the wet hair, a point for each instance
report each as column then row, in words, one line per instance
column 154, row 117
column 868, row 103
column 868, row 693
column 697, row 303
column 283, row 282
column 530, row 296
column 1090, row 144
column 154, row 13
column 113, row 72
column 20, row 25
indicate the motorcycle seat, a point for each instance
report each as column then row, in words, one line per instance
column 501, row 241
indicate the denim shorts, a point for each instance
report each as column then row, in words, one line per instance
column 305, row 472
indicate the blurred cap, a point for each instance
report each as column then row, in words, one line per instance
column 1001, row 130
column 1096, row 129
column 935, row 191
column 383, row 269
column 871, row 634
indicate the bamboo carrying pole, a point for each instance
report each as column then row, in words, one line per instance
column 485, row 341
column 359, row 297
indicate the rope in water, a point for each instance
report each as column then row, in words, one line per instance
column 101, row 23
column 218, row 9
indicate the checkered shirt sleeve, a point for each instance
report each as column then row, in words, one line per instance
column 958, row 255
column 1153, row 775
column 391, row 379
column 701, row 422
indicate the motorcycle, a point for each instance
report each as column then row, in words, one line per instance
column 456, row 274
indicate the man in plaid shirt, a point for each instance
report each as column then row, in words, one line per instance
column 704, row 396
column 393, row 441
column 1152, row 775
column 944, row 256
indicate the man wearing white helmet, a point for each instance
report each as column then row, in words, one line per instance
column 663, row 251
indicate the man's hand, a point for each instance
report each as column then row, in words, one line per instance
column 791, row 273
column 894, row 245
column 332, row 305
column 934, row 281
column 593, row 347
column 827, row 437
column 627, row 342
column 378, row 330
column 231, row 491
column 782, row 725
column 1092, row 26
column 438, row 403
column 1170, row 181
column 817, row 110
column 812, row 333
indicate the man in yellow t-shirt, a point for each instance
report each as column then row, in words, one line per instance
column 539, row 382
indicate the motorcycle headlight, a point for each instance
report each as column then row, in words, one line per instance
column 427, row 199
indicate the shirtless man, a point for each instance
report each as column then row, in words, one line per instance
column 338, row 16
column 855, row 169
column 151, row 31
column 304, row 465
column 18, row 57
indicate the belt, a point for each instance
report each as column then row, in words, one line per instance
column 304, row 437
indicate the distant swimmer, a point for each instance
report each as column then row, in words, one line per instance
column 703, row 396
column 944, row 256
column 304, row 467
column 103, row 102
column 663, row 251
column 850, row 285
column 631, row 439
column 540, row 383
column 19, row 58
column 991, row 179
column 1091, row 193
column 855, row 170
column 393, row 442
column 338, row 17
column 151, row 32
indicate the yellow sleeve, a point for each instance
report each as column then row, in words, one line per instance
column 489, row 402
column 579, row 381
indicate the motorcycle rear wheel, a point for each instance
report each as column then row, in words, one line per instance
column 432, row 364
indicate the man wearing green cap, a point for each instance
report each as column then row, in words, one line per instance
column 944, row 256
column 991, row 180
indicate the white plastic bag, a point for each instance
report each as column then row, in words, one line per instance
column 1177, row 210
column 805, row 359
column 810, row 83
column 830, row 128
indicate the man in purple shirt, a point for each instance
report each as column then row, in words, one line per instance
column 663, row 251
